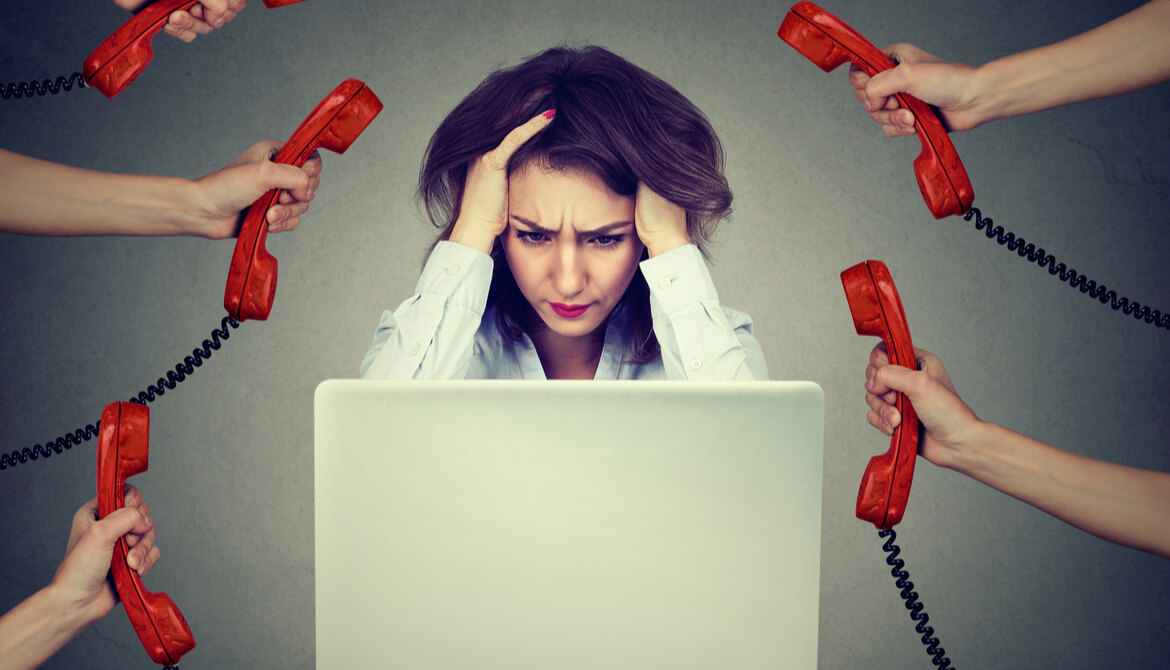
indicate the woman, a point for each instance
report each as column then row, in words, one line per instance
column 575, row 192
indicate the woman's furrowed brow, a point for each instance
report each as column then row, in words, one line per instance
column 532, row 225
column 607, row 229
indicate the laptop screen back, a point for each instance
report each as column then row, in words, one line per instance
column 513, row 524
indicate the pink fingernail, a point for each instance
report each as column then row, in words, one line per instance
column 550, row 113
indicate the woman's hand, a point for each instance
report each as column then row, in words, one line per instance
column 946, row 86
column 948, row 424
column 661, row 224
column 224, row 195
column 200, row 19
column 483, row 211
column 81, row 577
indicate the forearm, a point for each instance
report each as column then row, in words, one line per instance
column 42, row 198
column 1127, row 54
column 35, row 629
column 699, row 339
column 1125, row 505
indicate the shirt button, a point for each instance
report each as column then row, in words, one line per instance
column 414, row 349
column 696, row 364
column 452, row 270
column 664, row 283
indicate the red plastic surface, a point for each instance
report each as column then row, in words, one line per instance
column 333, row 124
column 118, row 61
column 877, row 310
column 828, row 41
column 123, row 451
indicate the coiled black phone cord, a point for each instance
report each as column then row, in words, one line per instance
column 173, row 378
column 937, row 654
column 1087, row 286
column 43, row 87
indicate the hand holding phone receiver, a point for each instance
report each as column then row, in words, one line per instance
column 877, row 310
column 123, row 451
column 333, row 124
column 118, row 61
column 828, row 41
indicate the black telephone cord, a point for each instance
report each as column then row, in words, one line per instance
column 173, row 378
column 42, row 87
column 937, row 654
column 1087, row 286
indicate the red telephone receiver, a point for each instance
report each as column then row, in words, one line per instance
column 118, row 61
column 877, row 310
column 123, row 451
column 333, row 124
column 828, row 41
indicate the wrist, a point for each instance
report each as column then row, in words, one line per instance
column 1016, row 85
column 476, row 239
column 656, row 246
column 968, row 453
column 193, row 212
column 988, row 96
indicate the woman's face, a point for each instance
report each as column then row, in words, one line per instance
column 571, row 245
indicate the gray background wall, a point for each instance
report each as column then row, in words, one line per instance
column 818, row 188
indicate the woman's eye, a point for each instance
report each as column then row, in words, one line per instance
column 530, row 237
column 607, row 240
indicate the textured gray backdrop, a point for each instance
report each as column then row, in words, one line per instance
column 818, row 188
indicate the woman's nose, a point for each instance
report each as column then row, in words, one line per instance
column 568, row 274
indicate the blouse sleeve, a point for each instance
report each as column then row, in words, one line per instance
column 700, row 340
column 430, row 335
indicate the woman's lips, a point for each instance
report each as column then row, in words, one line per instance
column 568, row 311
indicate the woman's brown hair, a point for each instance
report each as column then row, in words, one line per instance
column 614, row 120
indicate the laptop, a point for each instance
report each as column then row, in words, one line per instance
column 567, row 524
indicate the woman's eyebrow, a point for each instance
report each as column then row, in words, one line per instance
column 601, row 230
column 533, row 225
column 607, row 229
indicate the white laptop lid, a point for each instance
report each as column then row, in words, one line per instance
column 562, row 525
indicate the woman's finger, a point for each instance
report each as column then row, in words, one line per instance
column 498, row 158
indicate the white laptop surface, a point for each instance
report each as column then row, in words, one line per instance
column 528, row 525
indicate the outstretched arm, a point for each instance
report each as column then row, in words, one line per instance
column 1127, row 54
column 1121, row 504
column 42, row 198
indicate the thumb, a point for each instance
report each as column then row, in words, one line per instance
column 269, row 175
column 898, row 378
column 899, row 79
column 116, row 524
